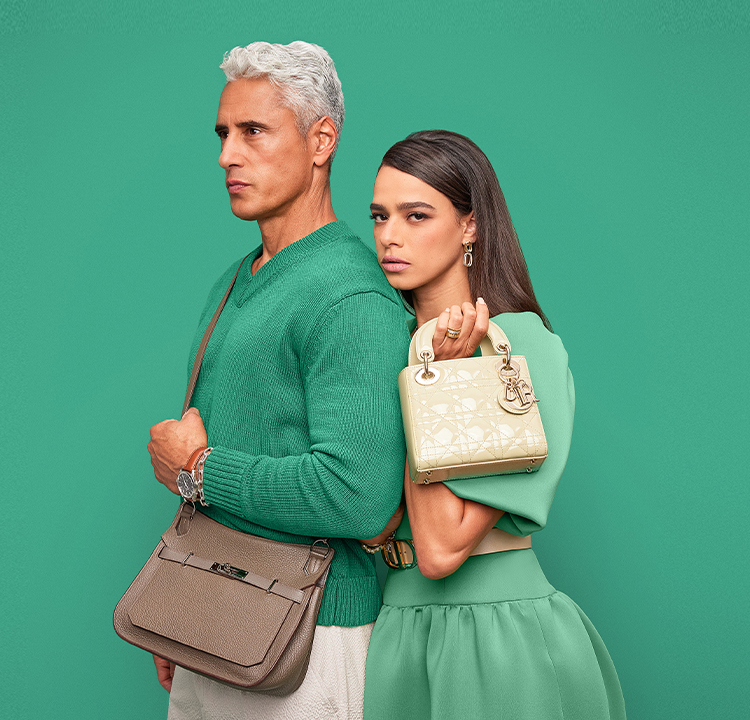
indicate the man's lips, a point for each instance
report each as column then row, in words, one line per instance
column 393, row 264
column 235, row 186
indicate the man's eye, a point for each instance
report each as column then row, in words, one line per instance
column 222, row 135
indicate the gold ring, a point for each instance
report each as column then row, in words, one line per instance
column 452, row 334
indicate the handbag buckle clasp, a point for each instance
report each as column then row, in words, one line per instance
column 228, row 570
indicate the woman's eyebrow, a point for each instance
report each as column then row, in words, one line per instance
column 413, row 205
column 404, row 206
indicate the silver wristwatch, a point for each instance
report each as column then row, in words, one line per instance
column 190, row 478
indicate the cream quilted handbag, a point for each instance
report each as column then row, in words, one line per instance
column 472, row 416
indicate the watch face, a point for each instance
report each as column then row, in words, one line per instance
column 185, row 484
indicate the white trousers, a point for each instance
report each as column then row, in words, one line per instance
column 333, row 688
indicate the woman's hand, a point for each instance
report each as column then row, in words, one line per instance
column 391, row 527
column 470, row 321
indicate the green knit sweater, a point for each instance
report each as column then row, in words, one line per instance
column 298, row 391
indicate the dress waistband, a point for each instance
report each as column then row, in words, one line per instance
column 399, row 553
column 496, row 577
column 497, row 540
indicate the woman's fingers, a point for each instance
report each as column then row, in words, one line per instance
column 459, row 330
column 469, row 318
column 441, row 328
column 455, row 321
column 479, row 327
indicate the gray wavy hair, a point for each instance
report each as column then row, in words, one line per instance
column 304, row 74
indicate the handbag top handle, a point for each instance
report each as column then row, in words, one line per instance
column 204, row 342
column 421, row 343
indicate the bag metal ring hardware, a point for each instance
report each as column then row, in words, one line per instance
column 316, row 545
column 504, row 349
column 508, row 371
column 427, row 376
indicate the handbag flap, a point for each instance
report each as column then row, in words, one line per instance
column 222, row 615
column 250, row 617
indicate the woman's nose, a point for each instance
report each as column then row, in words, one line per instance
column 389, row 235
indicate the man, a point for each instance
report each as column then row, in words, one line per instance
column 297, row 395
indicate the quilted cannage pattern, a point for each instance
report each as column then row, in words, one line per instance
column 458, row 420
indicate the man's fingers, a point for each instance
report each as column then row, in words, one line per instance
column 164, row 672
column 479, row 329
column 192, row 411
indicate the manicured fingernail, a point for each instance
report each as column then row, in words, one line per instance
column 481, row 300
column 447, row 310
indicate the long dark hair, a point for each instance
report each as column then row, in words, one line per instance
column 456, row 167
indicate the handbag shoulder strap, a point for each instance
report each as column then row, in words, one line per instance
column 204, row 342
column 421, row 342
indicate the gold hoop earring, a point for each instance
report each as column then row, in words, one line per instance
column 468, row 257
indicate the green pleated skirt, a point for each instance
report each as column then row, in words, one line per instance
column 492, row 640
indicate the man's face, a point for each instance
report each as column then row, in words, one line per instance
column 268, row 163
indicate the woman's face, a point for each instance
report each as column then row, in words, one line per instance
column 418, row 236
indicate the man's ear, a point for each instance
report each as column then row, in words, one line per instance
column 322, row 137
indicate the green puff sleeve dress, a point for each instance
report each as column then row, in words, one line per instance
column 495, row 639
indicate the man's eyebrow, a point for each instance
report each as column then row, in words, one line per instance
column 243, row 124
column 405, row 206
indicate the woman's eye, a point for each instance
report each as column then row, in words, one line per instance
column 417, row 216
column 377, row 217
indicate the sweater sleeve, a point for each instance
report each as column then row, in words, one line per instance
column 348, row 484
column 526, row 498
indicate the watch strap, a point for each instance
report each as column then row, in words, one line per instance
column 193, row 461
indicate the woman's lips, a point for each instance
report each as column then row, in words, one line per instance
column 393, row 264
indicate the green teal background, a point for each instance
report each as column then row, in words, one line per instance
column 620, row 136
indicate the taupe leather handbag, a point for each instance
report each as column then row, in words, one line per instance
column 233, row 606
column 472, row 416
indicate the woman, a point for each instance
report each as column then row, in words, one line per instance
column 476, row 636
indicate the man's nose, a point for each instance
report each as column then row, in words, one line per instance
column 229, row 155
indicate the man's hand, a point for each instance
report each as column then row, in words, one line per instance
column 473, row 324
column 390, row 528
column 165, row 672
column 172, row 443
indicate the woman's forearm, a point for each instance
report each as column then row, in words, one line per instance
column 445, row 528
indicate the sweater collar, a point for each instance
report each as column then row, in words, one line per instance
column 287, row 257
